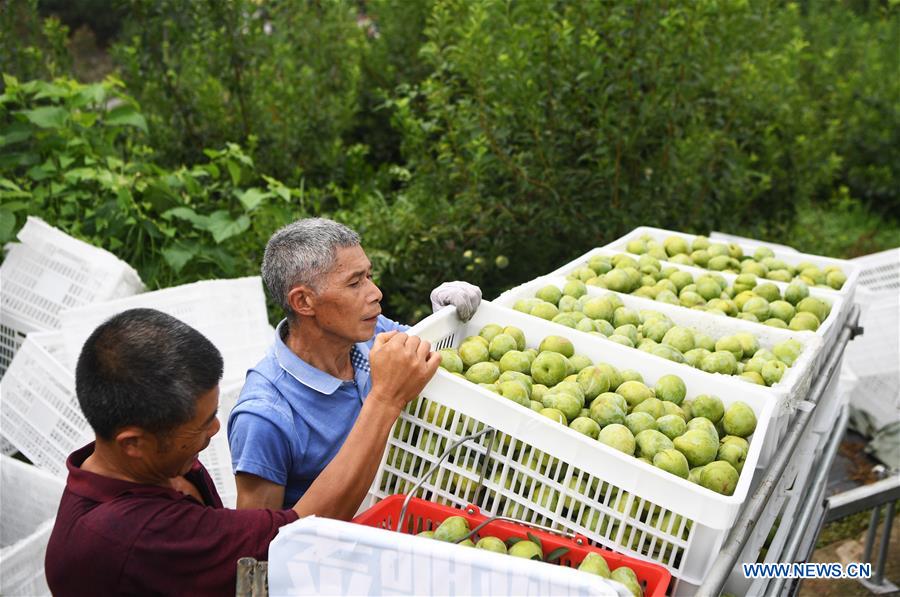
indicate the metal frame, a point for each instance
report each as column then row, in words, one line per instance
column 746, row 522
column 882, row 493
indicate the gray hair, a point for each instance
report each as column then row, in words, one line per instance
column 301, row 253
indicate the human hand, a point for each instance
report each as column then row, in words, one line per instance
column 401, row 365
column 462, row 295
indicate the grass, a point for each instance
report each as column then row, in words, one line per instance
column 845, row 229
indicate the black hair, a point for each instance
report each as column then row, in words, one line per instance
column 144, row 368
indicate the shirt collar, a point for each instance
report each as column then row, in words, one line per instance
column 100, row 488
column 310, row 376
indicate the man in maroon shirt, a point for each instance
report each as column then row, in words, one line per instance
column 140, row 514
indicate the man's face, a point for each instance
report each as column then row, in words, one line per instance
column 178, row 449
column 348, row 302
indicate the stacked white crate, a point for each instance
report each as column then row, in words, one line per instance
column 874, row 358
column 29, row 499
column 641, row 510
column 231, row 313
column 841, row 300
column 796, row 380
column 40, row 411
column 49, row 271
column 685, row 552
column 840, row 303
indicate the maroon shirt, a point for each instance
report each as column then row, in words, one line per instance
column 115, row 537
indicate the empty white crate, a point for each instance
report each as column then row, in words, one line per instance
column 231, row 313
column 573, row 482
column 217, row 456
column 874, row 357
column 39, row 412
column 51, row 271
column 29, row 500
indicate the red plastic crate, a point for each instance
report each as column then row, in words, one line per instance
column 422, row 515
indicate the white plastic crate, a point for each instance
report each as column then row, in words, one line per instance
column 319, row 556
column 29, row 500
column 51, row 271
column 797, row 379
column 231, row 313
column 830, row 403
column 39, row 412
column 777, row 516
column 828, row 331
column 874, row 357
column 12, row 333
column 791, row 257
column 6, row 447
column 880, row 272
column 792, row 388
column 724, row 237
column 217, row 456
column 631, row 507
column 44, row 421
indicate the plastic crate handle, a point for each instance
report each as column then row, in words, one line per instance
column 437, row 464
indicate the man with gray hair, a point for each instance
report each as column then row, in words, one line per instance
column 299, row 403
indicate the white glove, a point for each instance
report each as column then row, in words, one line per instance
column 462, row 295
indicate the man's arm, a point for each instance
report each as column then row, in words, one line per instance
column 401, row 366
column 256, row 492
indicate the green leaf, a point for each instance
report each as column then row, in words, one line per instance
column 536, row 539
column 235, row 171
column 554, row 556
column 93, row 94
column 15, row 205
column 47, row 117
column 177, row 257
column 187, row 214
column 7, row 224
column 14, row 133
column 51, row 90
column 512, row 541
column 251, row 198
column 65, row 161
column 8, row 184
column 42, row 172
column 79, row 174
column 223, row 227
column 126, row 116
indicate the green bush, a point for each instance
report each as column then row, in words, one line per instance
column 853, row 73
column 31, row 47
column 73, row 159
column 546, row 129
column 281, row 78
column 477, row 139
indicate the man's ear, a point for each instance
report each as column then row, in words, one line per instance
column 134, row 442
column 302, row 300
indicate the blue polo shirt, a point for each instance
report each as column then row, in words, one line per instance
column 291, row 418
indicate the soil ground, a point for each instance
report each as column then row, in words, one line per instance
column 844, row 540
